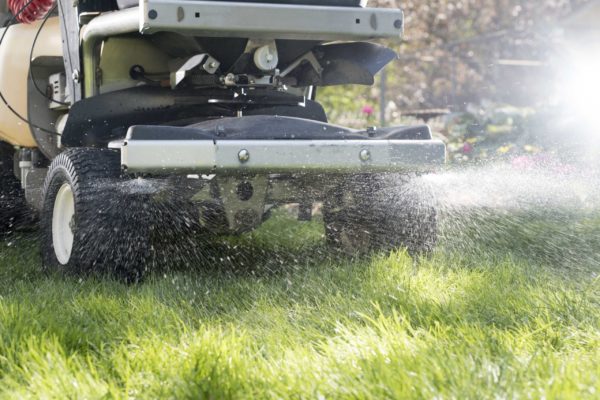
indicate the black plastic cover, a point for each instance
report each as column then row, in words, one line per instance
column 266, row 127
column 98, row 120
column 348, row 63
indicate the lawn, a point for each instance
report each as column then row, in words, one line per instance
column 280, row 318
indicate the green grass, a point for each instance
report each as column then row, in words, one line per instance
column 280, row 319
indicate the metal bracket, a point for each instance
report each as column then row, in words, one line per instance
column 208, row 63
column 244, row 211
column 310, row 58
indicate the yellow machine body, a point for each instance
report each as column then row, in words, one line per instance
column 14, row 70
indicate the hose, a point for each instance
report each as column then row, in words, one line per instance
column 27, row 11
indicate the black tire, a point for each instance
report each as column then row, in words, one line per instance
column 110, row 231
column 176, row 234
column 14, row 212
column 380, row 212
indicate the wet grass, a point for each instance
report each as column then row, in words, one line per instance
column 280, row 318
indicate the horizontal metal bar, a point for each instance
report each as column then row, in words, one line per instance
column 270, row 21
column 280, row 156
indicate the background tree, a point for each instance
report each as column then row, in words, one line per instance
column 460, row 52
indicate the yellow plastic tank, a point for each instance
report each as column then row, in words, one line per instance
column 14, row 70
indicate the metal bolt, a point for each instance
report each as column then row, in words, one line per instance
column 365, row 155
column 229, row 79
column 244, row 155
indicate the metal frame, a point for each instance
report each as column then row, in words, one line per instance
column 280, row 156
column 106, row 25
column 246, row 20
column 269, row 21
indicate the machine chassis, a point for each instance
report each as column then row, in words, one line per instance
column 228, row 140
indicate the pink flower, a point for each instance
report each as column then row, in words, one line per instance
column 467, row 148
column 368, row 110
column 525, row 162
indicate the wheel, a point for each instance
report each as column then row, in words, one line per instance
column 380, row 212
column 14, row 212
column 90, row 222
column 177, row 237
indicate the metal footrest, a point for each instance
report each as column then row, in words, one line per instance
column 280, row 156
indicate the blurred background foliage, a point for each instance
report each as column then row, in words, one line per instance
column 482, row 73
